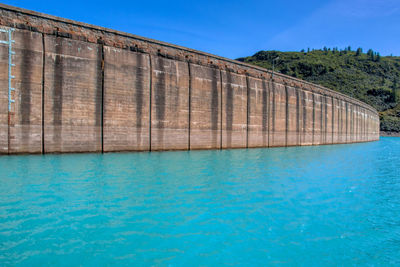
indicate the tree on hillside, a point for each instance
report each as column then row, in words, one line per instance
column 378, row 57
column 359, row 51
column 369, row 81
column 394, row 91
column 370, row 53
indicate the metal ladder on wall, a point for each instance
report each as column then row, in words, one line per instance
column 9, row 42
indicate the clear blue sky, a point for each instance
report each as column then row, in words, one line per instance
column 233, row 28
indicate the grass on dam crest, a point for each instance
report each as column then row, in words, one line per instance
column 308, row 206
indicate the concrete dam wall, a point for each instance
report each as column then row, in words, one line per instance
column 74, row 87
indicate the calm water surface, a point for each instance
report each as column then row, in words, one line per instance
column 307, row 206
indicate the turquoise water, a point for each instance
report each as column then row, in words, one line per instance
column 305, row 206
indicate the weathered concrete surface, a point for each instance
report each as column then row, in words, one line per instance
column 126, row 100
column 83, row 88
column 308, row 113
column 259, row 105
column 205, row 104
column 3, row 95
column 25, row 127
column 72, row 96
column 278, row 115
column 292, row 119
column 234, row 110
column 169, row 105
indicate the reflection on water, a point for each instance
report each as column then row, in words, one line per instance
column 335, row 205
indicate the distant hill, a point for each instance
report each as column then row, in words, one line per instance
column 369, row 77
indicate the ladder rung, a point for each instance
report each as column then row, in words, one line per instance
column 12, row 65
column 3, row 42
column 12, row 101
column 12, row 41
column 12, row 76
column 12, row 89
column 12, row 53
column 2, row 30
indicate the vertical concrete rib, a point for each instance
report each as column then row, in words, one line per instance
column 351, row 123
column 286, row 115
column 347, row 119
column 357, row 128
column 297, row 116
column 265, row 113
column 267, row 94
column 273, row 107
column 326, row 119
column 355, row 139
column 304, row 104
column 368, row 129
column 189, row 103
column 220, row 136
column 43, row 85
column 359, row 123
column 313, row 117
column 363, row 112
column 58, row 94
column 333, row 119
column 321, row 119
column 102, row 99
column 362, row 125
column 340, row 121
column 365, row 124
column 248, row 110
column 150, row 96
column 8, row 132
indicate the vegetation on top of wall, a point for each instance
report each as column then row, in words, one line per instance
column 369, row 77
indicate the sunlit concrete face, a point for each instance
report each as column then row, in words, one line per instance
column 205, row 107
column 72, row 96
column 82, row 88
column 126, row 110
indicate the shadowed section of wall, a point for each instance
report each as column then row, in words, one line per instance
column 26, row 119
column 308, row 118
column 170, row 106
column 126, row 100
column 258, row 112
column 234, row 110
column 278, row 113
column 292, row 117
column 72, row 99
column 3, row 95
column 318, row 119
column 91, row 89
column 328, row 119
column 343, row 122
column 205, row 123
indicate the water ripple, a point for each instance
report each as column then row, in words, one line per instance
column 327, row 205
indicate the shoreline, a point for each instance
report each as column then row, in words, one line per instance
column 389, row 134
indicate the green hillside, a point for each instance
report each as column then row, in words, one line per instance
column 369, row 77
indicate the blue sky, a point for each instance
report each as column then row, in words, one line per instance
column 233, row 28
